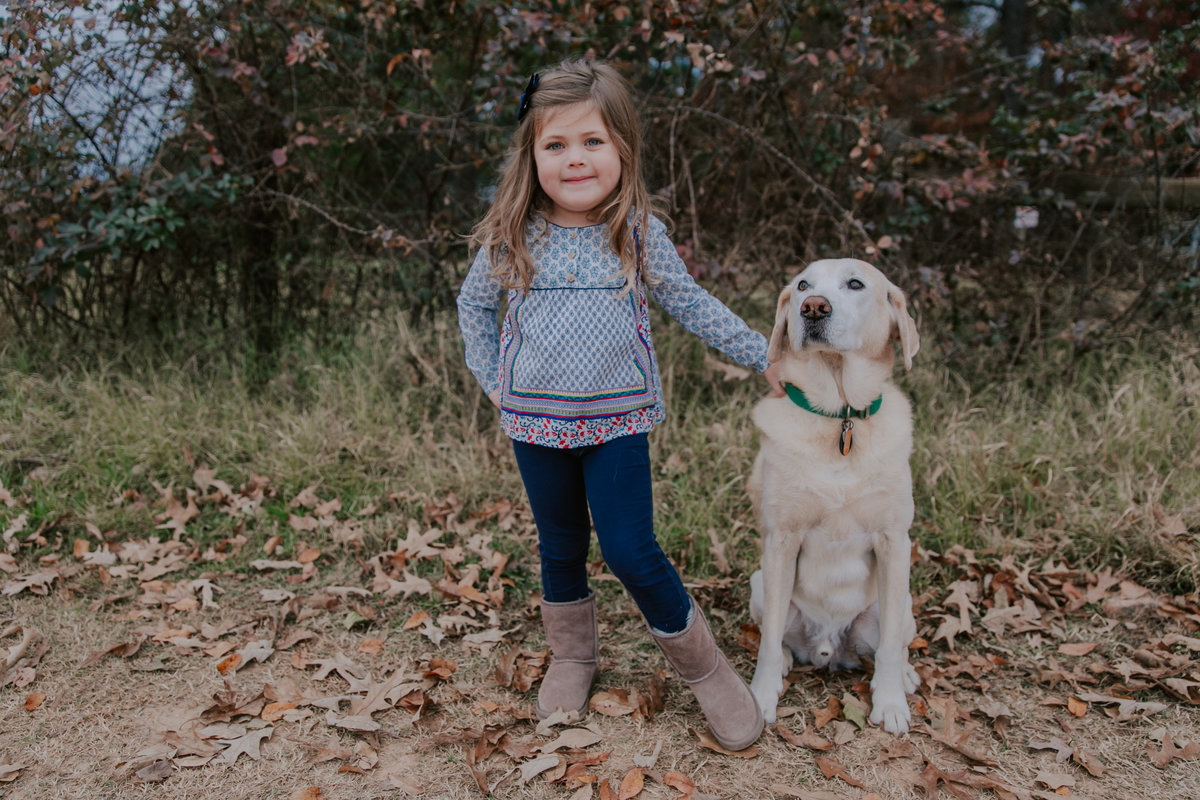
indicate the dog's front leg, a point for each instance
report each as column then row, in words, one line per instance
column 779, row 578
column 894, row 676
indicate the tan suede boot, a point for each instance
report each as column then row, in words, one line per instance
column 731, row 711
column 574, row 652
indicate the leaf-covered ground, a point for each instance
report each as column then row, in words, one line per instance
column 319, row 665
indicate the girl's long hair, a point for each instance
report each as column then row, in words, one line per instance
column 519, row 196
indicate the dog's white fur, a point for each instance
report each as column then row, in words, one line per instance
column 835, row 562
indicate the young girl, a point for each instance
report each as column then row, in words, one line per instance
column 570, row 239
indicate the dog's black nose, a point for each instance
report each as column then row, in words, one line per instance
column 815, row 307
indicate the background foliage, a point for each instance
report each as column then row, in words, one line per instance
column 247, row 171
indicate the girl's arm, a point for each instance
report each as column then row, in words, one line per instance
column 478, row 307
column 694, row 308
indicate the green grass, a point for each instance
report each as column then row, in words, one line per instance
column 1099, row 467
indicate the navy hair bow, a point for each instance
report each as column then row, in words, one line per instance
column 527, row 96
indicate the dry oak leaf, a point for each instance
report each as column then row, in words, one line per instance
column 248, row 744
column 410, row 585
column 122, row 650
column 263, row 564
column 352, row 722
column 307, row 793
column 1054, row 780
column 833, row 769
column 648, row 761
column 37, row 582
column 409, row 787
column 10, row 772
column 1169, row 751
column 808, row 738
column 1062, row 750
column 1127, row 708
column 802, row 793
column 1186, row 690
column 572, row 738
column 614, row 703
column 1090, row 760
column 156, row 771
column 707, row 741
column 928, row 779
column 680, row 783
column 823, row 716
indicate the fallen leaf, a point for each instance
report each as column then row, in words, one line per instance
column 1090, row 760
column 1054, row 780
column 273, row 712
column 706, row 740
column 122, row 650
column 632, row 784
column 574, row 738
column 854, row 710
column 613, row 703
column 823, row 716
column 1063, row 751
column 38, row 583
column 833, row 769
column 531, row 769
column 1127, row 709
column 229, row 664
column 248, row 744
column 803, row 794
column 156, row 771
column 808, row 738
column 10, row 772
column 409, row 787
column 1076, row 707
column 264, row 564
column 1077, row 648
column 680, row 783
column 307, row 793
column 1169, row 751
column 34, row 701
column 371, row 647
column 352, row 722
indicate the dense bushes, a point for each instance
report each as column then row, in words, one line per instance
column 288, row 166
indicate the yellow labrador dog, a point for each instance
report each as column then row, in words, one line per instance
column 832, row 488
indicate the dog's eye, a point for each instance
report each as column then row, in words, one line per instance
column 855, row 284
column 802, row 286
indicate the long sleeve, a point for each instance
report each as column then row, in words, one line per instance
column 694, row 308
column 478, row 307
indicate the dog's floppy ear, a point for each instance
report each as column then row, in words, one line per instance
column 782, row 312
column 904, row 329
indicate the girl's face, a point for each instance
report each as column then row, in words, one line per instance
column 578, row 165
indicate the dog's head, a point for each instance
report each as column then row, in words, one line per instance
column 843, row 305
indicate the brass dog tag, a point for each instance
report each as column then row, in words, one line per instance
column 847, row 437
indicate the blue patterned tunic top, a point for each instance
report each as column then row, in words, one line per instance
column 574, row 360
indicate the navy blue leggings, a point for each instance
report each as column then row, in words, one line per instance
column 613, row 481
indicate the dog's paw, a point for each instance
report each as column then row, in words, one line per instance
column 766, row 690
column 910, row 678
column 890, row 711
